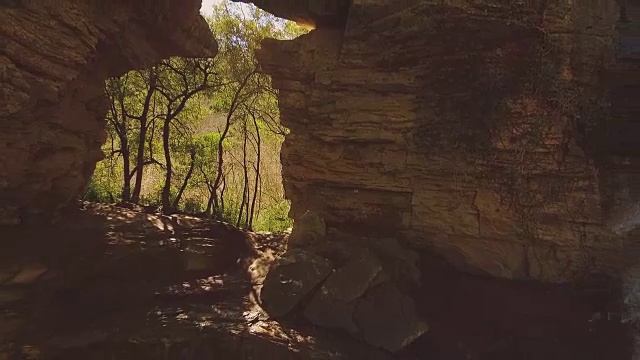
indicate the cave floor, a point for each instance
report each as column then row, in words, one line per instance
column 112, row 283
column 116, row 283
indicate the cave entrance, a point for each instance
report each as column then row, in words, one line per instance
column 147, row 270
column 201, row 136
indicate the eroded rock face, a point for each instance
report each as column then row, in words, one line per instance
column 357, row 295
column 356, row 284
column 54, row 59
column 466, row 127
column 291, row 279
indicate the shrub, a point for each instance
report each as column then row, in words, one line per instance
column 97, row 192
column 193, row 206
column 274, row 218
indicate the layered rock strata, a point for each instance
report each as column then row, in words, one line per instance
column 470, row 128
column 54, row 58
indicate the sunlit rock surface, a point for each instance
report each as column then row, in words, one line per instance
column 473, row 128
column 54, row 58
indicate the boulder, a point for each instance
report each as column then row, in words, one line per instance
column 387, row 318
column 291, row 279
column 399, row 262
column 333, row 305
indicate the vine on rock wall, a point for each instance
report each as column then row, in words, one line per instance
column 539, row 173
column 514, row 132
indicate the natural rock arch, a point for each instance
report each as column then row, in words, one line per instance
column 404, row 136
column 55, row 59
column 466, row 128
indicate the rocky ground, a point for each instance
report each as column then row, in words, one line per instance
column 110, row 282
column 115, row 283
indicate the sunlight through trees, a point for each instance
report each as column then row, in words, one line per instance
column 201, row 135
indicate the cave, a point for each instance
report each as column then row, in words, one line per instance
column 464, row 179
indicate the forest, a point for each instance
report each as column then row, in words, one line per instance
column 201, row 136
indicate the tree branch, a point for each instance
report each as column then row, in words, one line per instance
column 148, row 162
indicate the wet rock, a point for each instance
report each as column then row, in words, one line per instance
column 334, row 303
column 388, row 319
column 291, row 278
column 308, row 230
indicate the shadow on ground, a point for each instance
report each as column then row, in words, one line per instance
column 117, row 283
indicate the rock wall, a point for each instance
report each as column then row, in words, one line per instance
column 54, row 58
column 468, row 127
column 465, row 127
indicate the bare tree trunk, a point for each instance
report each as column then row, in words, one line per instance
column 126, row 155
column 187, row 177
column 118, row 120
column 209, row 207
column 232, row 109
column 224, row 186
column 214, row 193
column 209, row 201
column 245, row 187
column 126, row 180
column 257, row 168
column 142, row 137
column 166, row 190
column 137, row 188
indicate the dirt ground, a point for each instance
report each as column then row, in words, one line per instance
column 111, row 282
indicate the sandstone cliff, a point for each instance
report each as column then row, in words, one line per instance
column 54, row 58
column 467, row 127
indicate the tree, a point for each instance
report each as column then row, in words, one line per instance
column 249, row 89
column 179, row 81
column 227, row 167
column 149, row 80
column 116, row 89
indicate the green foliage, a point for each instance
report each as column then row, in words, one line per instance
column 193, row 206
column 181, row 116
column 231, row 211
column 96, row 192
column 275, row 217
